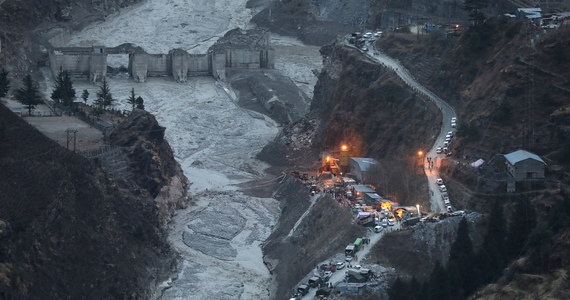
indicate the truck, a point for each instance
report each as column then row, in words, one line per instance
column 357, row 244
column 314, row 281
column 303, row 289
column 349, row 250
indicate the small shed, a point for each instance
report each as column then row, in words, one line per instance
column 360, row 189
column 523, row 165
column 372, row 198
column 359, row 167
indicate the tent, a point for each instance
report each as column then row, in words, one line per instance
column 477, row 163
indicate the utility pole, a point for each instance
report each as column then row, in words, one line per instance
column 69, row 137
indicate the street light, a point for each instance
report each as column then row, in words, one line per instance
column 418, row 207
column 344, row 147
column 420, row 153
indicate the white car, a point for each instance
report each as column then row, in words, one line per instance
column 453, row 120
column 340, row 265
column 443, row 188
column 439, row 150
column 384, row 223
column 450, row 133
column 458, row 213
column 439, row 181
column 391, row 222
column 449, row 209
column 453, row 124
column 377, row 229
column 364, row 48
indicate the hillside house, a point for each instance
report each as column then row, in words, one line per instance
column 523, row 165
column 532, row 13
column 359, row 167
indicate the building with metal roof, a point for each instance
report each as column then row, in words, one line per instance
column 359, row 167
column 523, row 165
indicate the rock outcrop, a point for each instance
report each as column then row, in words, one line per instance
column 70, row 231
column 151, row 161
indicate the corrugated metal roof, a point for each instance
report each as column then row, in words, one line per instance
column 520, row 155
column 364, row 163
column 373, row 195
column 363, row 188
column 529, row 9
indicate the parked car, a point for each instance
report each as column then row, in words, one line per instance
column 391, row 222
column 364, row 48
column 378, row 228
column 439, row 181
column 450, row 133
column 443, row 188
column 340, row 265
column 348, row 258
column 439, row 150
column 449, row 209
column 384, row 223
column 458, row 213
column 303, row 289
column 453, row 124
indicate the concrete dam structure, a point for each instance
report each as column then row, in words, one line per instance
column 91, row 62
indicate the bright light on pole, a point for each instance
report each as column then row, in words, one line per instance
column 418, row 207
column 420, row 153
column 344, row 148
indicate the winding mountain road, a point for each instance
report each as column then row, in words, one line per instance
column 447, row 113
column 432, row 174
column 339, row 275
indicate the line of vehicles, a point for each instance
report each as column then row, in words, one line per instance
column 359, row 40
column 446, row 147
column 444, row 194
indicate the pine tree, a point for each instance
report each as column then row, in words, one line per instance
column 396, row 289
column 522, row 222
column 85, row 96
column 4, row 82
column 492, row 257
column 132, row 99
column 462, row 258
column 63, row 91
column 104, row 96
column 140, row 102
column 28, row 94
column 438, row 287
column 539, row 243
column 559, row 214
column 474, row 7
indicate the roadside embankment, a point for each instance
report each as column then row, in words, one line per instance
column 326, row 230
